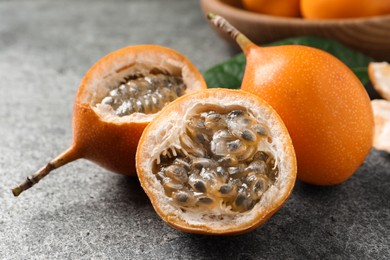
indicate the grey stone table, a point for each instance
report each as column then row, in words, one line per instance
column 82, row 211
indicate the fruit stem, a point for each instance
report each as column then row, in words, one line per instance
column 66, row 157
column 222, row 24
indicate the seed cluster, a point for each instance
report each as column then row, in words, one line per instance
column 145, row 92
column 223, row 166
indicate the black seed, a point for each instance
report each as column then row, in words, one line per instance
column 205, row 200
column 214, row 117
column 245, row 121
column 259, row 186
column 134, row 76
column 201, row 139
column 200, row 186
column 260, row 130
column 263, row 156
column 235, row 113
column 234, row 145
column 248, row 135
column 240, row 199
column 180, row 88
column 182, row 197
column 225, row 189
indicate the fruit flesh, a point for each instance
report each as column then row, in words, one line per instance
column 144, row 90
column 220, row 166
column 162, row 142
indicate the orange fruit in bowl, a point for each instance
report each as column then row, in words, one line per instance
column 115, row 101
column 286, row 8
column 336, row 9
column 325, row 107
column 216, row 161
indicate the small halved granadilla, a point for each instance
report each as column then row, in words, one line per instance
column 216, row 161
column 116, row 99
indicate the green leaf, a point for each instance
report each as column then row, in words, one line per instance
column 229, row 73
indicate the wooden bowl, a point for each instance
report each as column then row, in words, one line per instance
column 370, row 36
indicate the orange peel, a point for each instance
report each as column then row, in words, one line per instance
column 381, row 110
column 379, row 74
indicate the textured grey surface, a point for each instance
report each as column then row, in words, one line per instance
column 82, row 211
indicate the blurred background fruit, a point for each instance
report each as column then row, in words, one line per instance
column 335, row 9
column 288, row 8
column 369, row 35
